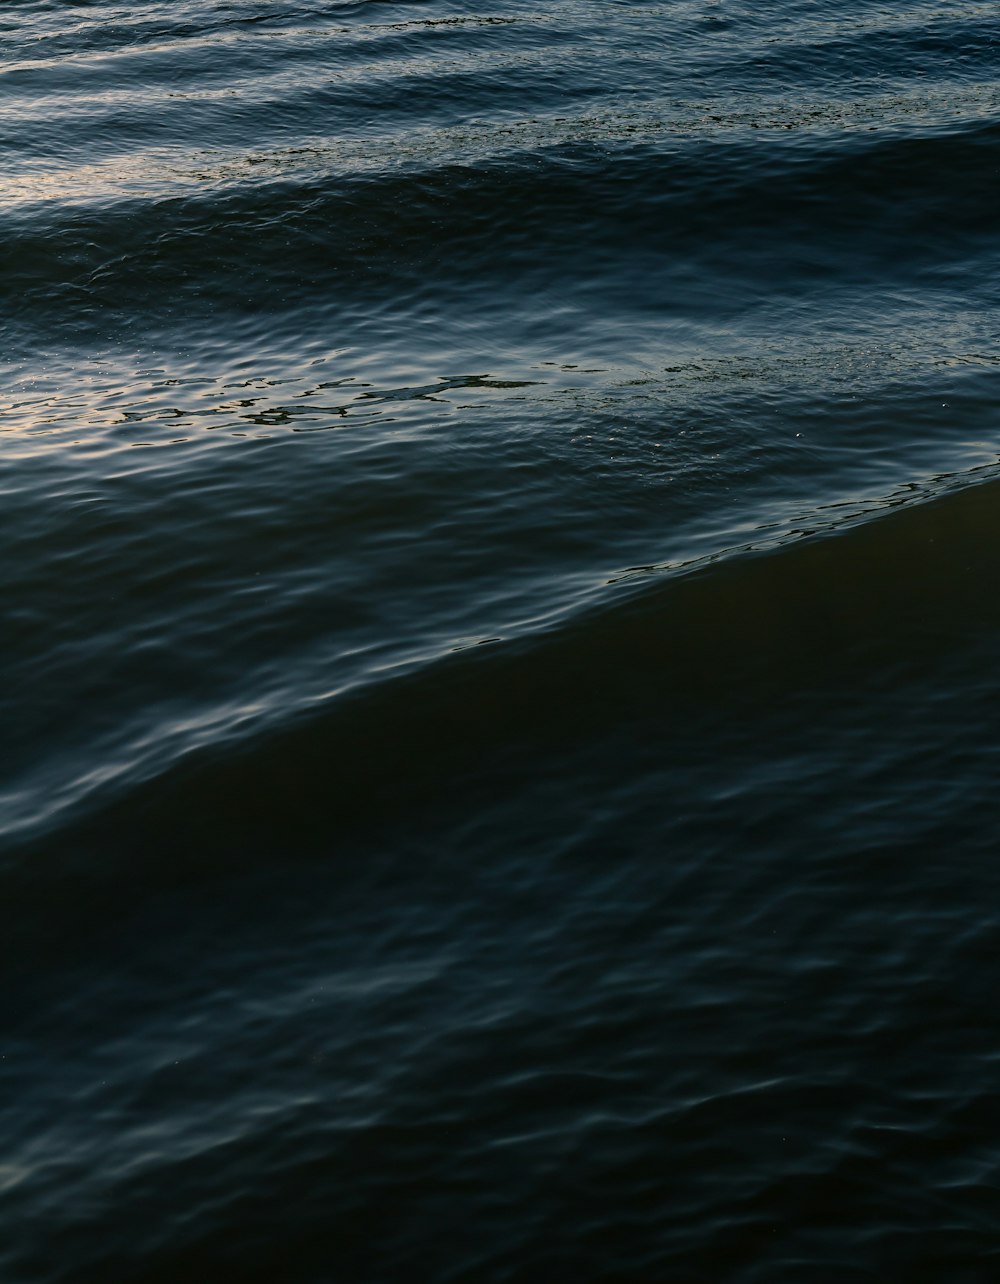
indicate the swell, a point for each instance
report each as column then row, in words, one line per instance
column 883, row 605
column 451, row 71
column 714, row 218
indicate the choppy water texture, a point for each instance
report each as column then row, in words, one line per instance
column 501, row 642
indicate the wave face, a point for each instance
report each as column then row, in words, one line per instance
column 501, row 703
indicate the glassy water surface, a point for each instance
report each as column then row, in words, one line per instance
column 500, row 638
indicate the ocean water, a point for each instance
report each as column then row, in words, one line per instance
column 501, row 642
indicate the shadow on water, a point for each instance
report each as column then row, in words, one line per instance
column 717, row 654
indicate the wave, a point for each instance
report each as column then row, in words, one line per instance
column 703, row 228
column 879, row 601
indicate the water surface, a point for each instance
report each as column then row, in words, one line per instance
column 500, row 640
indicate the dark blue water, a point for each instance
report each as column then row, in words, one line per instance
column 501, row 642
